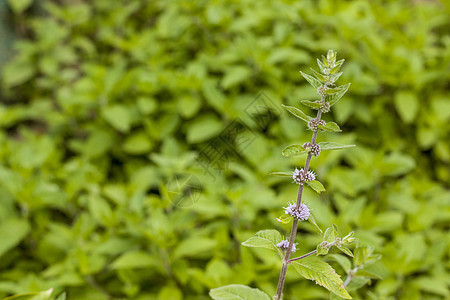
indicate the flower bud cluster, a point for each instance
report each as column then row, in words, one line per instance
column 322, row 90
column 301, row 213
column 313, row 148
column 300, row 176
column 314, row 124
column 284, row 245
column 325, row 107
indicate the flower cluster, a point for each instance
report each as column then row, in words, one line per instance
column 301, row 213
column 322, row 90
column 284, row 244
column 300, row 176
column 325, row 107
column 313, row 148
column 314, row 124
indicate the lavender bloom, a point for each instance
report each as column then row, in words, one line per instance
column 302, row 213
column 300, row 176
column 313, row 124
column 284, row 244
column 315, row 148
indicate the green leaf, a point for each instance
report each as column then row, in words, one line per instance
column 293, row 150
column 297, row 112
column 330, row 234
column 204, row 128
column 194, row 246
column 345, row 250
column 331, row 91
column 364, row 256
column 45, row 295
column 322, row 250
column 330, row 127
column 323, row 274
column 237, row 292
column 363, row 273
column 118, row 116
column 311, row 104
column 235, row 75
column 319, row 76
column 333, row 146
column 407, row 105
column 134, row 260
column 281, row 174
column 12, row 232
column 265, row 239
column 338, row 95
column 312, row 81
column 316, row 185
column 321, row 65
column 312, row 220
column 342, row 260
column 19, row 6
column 62, row 296
column 285, row 219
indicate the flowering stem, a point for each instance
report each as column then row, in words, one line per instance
column 295, row 222
column 350, row 275
column 303, row 256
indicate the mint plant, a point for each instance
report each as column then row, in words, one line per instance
column 306, row 265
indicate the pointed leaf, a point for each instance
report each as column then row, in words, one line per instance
column 322, row 67
column 281, row 174
column 331, row 91
column 312, row 81
column 319, row 76
column 333, row 146
column 330, row 235
column 265, row 239
column 335, row 97
column 293, row 150
column 312, row 220
column 237, row 292
column 330, row 127
column 311, row 104
column 45, row 295
column 285, row 219
column 316, row 185
column 346, row 250
column 297, row 112
column 323, row 274
column 322, row 250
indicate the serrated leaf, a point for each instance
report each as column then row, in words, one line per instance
column 265, row 239
column 237, row 292
column 330, row 127
column 319, row 76
column 333, row 146
column 331, row 91
column 321, row 65
column 335, row 97
column 337, row 66
column 285, row 219
column 311, row 104
column 330, row 235
column 297, row 112
column 363, row 273
column 281, row 174
column 312, row 220
column 293, row 150
column 346, row 250
column 323, row 274
column 316, row 185
column 312, row 81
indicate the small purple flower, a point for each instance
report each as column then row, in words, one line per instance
column 302, row 213
column 313, row 124
column 300, row 176
column 284, row 244
column 314, row 148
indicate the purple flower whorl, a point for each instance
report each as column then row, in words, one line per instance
column 284, row 244
column 301, row 214
column 300, row 176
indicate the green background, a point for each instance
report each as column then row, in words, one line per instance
column 137, row 137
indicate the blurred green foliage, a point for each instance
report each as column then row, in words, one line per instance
column 108, row 106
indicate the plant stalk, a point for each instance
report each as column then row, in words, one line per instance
column 303, row 256
column 295, row 222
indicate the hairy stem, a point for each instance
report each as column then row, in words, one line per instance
column 303, row 256
column 295, row 222
column 350, row 275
